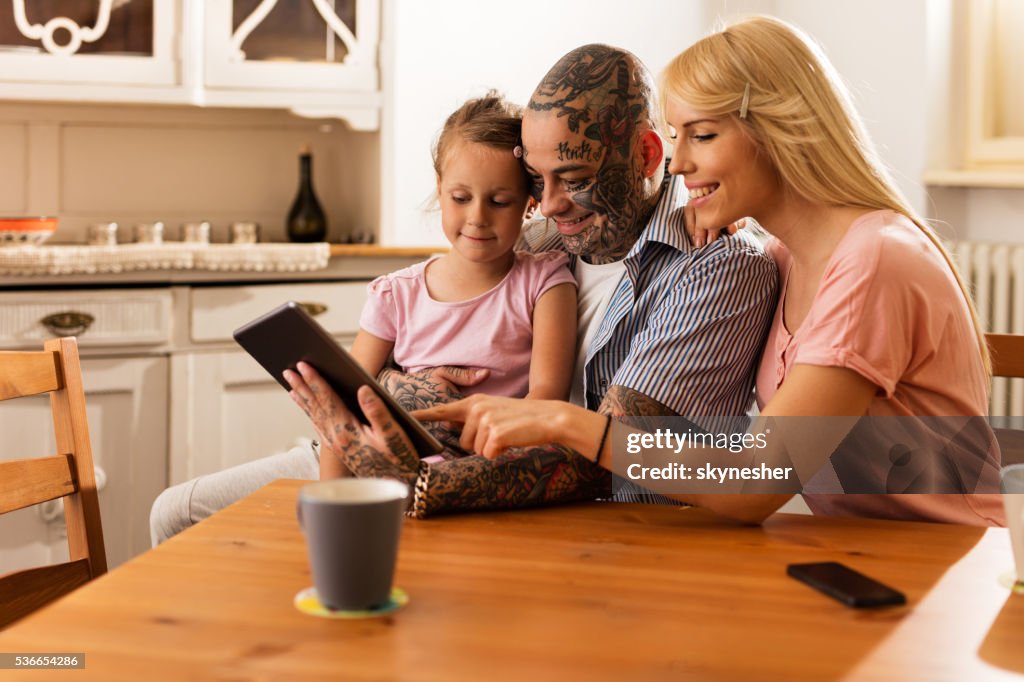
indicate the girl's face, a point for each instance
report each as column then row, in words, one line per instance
column 727, row 177
column 483, row 201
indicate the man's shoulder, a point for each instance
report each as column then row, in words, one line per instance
column 742, row 249
column 730, row 264
column 739, row 251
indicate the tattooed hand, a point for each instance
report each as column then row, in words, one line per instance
column 380, row 450
column 430, row 387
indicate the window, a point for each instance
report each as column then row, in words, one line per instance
column 995, row 111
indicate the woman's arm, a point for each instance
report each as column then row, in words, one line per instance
column 371, row 352
column 809, row 391
column 553, row 357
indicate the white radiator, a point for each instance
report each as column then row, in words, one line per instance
column 995, row 275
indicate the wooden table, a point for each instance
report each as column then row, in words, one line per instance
column 596, row 591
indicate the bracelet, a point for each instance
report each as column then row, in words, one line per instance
column 604, row 437
column 419, row 498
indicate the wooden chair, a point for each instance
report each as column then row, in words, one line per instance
column 68, row 474
column 1007, row 354
column 1008, row 361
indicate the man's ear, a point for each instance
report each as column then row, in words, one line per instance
column 531, row 206
column 652, row 151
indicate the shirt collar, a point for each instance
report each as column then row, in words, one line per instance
column 667, row 224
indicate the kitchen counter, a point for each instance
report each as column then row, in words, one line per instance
column 347, row 262
column 374, row 251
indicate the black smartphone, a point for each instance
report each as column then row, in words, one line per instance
column 845, row 584
column 288, row 334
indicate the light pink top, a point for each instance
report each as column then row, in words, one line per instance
column 889, row 308
column 493, row 330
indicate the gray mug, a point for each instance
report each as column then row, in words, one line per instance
column 352, row 526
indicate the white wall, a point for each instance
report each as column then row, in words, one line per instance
column 895, row 57
column 905, row 62
column 444, row 51
column 879, row 47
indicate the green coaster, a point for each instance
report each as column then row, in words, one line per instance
column 308, row 602
column 1010, row 582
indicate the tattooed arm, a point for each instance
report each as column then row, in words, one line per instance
column 521, row 477
column 527, row 472
column 625, row 402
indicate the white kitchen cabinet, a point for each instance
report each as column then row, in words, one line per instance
column 226, row 409
column 126, row 402
column 123, row 336
column 169, row 394
column 315, row 57
column 326, row 45
column 98, row 42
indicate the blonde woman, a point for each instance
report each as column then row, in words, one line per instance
column 872, row 319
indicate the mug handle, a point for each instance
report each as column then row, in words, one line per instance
column 298, row 514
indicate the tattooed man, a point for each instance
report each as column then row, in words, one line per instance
column 665, row 328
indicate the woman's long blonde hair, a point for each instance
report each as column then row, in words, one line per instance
column 800, row 115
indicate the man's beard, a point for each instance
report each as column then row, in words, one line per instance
column 586, row 242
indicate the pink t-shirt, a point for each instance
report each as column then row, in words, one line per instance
column 493, row 330
column 889, row 308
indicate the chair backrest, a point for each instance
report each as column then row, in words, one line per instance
column 1008, row 361
column 1007, row 354
column 68, row 474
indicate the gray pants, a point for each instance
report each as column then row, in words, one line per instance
column 186, row 504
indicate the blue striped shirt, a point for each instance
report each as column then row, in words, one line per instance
column 686, row 325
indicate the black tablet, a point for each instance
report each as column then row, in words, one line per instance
column 288, row 334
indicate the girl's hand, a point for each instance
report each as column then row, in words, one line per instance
column 380, row 450
column 493, row 424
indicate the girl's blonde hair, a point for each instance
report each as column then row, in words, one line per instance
column 797, row 110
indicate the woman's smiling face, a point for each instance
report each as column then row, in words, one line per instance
column 727, row 176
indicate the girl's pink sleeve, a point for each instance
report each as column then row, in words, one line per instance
column 380, row 313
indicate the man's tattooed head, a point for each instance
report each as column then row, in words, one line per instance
column 584, row 133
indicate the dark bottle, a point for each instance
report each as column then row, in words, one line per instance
column 306, row 220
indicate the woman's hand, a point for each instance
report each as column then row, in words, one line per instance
column 702, row 236
column 493, row 424
column 380, row 450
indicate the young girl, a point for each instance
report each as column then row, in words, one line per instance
column 872, row 320
column 481, row 305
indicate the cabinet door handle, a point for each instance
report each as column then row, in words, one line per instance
column 313, row 308
column 69, row 323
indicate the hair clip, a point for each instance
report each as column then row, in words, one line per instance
column 746, row 101
column 517, row 151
